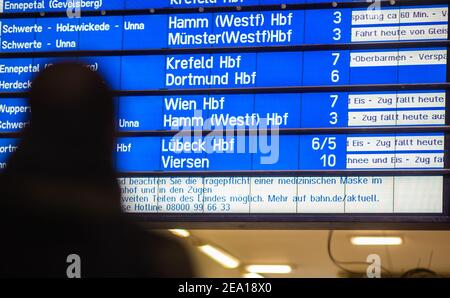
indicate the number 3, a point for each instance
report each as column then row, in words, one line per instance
column 337, row 34
column 338, row 17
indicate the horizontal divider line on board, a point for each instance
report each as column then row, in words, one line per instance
column 271, row 7
column 267, row 90
column 245, row 49
column 298, row 89
column 297, row 173
column 281, row 131
column 297, row 131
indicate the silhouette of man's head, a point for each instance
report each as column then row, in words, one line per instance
column 72, row 100
column 72, row 123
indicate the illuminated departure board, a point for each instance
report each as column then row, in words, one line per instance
column 258, row 110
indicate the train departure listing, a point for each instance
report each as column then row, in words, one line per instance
column 212, row 100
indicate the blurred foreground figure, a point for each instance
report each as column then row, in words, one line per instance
column 60, row 197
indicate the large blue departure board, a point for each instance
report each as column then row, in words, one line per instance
column 254, row 110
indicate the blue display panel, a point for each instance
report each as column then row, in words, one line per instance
column 229, row 29
column 17, row 6
column 238, row 70
column 290, row 69
column 241, row 153
column 21, row 6
column 7, row 147
column 307, row 110
column 14, row 114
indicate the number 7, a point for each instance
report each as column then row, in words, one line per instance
column 334, row 98
column 336, row 58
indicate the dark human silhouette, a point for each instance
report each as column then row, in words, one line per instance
column 60, row 195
